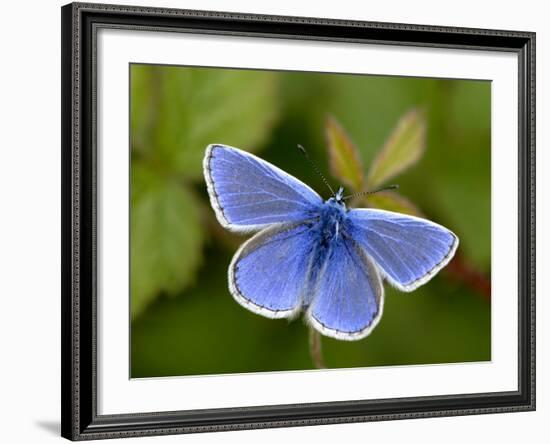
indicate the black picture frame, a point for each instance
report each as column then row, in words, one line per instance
column 79, row 211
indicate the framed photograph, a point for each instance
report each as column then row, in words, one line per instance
column 257, row 207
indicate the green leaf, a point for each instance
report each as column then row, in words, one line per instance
column 194, row 107
column 403, row 148
column 344, row 160
column 166, row 237
column 390, row 201
column 142, row 107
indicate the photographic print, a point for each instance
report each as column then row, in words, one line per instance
column 285, row 220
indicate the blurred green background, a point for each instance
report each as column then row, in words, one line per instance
column 184, row 320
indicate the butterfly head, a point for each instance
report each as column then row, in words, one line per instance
column 337, row 200
column 339, row 196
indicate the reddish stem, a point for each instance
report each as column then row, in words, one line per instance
column 459, row 270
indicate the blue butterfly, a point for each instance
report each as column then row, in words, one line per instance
column 314, row 255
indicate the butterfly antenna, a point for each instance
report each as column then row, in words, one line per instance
column 304, row 152
column 361, row 193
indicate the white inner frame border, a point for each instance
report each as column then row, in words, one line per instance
column 117, row 393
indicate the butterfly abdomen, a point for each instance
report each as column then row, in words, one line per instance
column 328, row 228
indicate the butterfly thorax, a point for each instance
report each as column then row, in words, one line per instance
column 331, row 220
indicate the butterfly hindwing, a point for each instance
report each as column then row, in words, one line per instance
column 408, row 250
column 269, row 273
column 248, row 193
column 348, row 296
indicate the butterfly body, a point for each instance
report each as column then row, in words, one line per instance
column 316, row 256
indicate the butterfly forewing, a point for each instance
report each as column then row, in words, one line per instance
column 248, row 193
column 408, row 250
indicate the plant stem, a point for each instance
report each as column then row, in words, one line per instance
column 460, row 270
column 315, row 350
